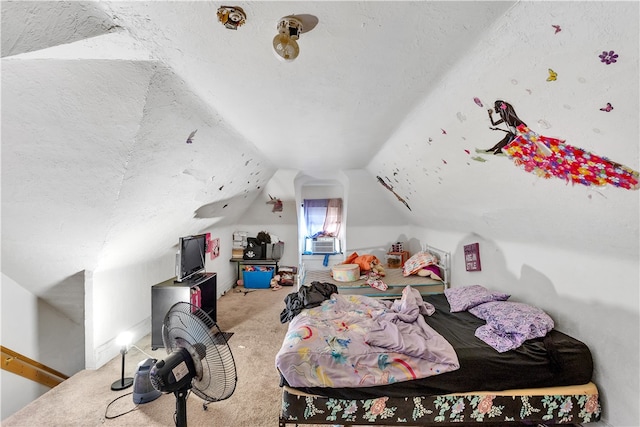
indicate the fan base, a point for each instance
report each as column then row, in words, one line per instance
column 122, row 384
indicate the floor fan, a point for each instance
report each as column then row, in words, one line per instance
column 199, row 359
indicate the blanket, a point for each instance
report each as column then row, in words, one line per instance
column 358, row 341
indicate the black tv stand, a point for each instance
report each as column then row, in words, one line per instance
column 193, row 280
column 164, row 295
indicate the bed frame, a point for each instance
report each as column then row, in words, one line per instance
column 575, row 404
column 394, row 279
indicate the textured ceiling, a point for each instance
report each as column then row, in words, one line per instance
column 362, row 68
column 100, row 97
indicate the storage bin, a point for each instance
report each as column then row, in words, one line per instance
column 257, row 279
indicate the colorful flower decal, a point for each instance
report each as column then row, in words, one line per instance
column 550, row 157
column 608, row 57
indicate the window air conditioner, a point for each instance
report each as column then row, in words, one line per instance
column 323, row 245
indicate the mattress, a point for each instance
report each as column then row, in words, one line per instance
column 553, row 361
column 394, row 279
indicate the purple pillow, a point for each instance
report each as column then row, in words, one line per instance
column 432, row 271
column 510, row 324
column 465, row 297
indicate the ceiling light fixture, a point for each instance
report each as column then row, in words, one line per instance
column 284, row 43
column 231, row 17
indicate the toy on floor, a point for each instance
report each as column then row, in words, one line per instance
column 275, row 283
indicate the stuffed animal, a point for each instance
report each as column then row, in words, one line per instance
column 378, row 268
column 366, row 263
column 275, row 283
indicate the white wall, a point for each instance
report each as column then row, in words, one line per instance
column 592, row 297
column 372, row 223
column 120, row 301
column 21, row 325
column 569, row 248
column 281, row 224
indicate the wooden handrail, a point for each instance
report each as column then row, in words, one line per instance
column 30, row 369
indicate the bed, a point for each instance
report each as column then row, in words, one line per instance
column 394, row 279
column 545, row 380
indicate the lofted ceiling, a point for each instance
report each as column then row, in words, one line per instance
column 363, row 66
column 100, row 99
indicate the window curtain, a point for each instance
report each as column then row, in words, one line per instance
column 323, row 217
column 333, row 218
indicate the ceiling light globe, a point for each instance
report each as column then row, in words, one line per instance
column 285, row 48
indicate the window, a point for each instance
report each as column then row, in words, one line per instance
column 322, row 217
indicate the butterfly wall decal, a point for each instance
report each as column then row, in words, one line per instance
column 553, row 76
column 558, row 29
column 608, row 108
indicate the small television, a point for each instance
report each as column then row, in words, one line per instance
column 190, row 259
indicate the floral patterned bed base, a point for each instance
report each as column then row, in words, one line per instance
column 441, row 410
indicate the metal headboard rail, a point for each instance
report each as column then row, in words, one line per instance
column 444, row 261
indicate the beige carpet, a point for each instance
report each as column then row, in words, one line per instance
column 254, row 319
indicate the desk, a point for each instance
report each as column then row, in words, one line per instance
column 241, row 262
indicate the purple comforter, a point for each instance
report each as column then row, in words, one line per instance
column 357, row 341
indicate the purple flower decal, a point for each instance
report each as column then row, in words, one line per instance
column 608, row 57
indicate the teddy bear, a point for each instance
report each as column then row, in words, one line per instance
column 378, row 268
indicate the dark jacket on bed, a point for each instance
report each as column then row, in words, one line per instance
column 307, row 297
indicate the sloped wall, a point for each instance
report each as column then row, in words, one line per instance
column 102, row 183
column 568, row 248
column 431, row 161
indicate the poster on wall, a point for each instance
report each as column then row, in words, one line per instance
column 472, row 257
column 215, row 248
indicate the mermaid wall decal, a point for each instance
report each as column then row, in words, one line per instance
column 549, row 157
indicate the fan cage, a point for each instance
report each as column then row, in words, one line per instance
column 218, row 377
